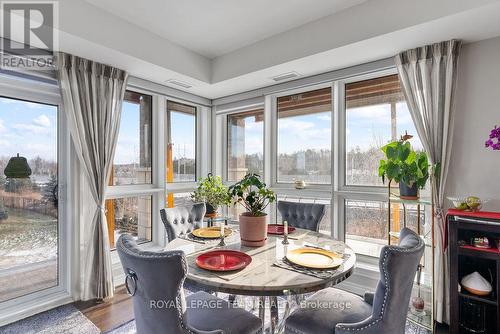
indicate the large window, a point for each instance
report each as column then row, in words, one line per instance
column 245, row 144
column 132, row 161
column 132, row 165
column 29, row 205
column 376, row 113
column 304, row 137
column 181, row 143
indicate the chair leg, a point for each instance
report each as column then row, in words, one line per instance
column 274, row 314
column 232, row 299
column 262, row 311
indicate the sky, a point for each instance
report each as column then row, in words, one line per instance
column 28, row 128
column 371, row 126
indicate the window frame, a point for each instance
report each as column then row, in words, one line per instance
column 153, row 167
column 182, row 185
column 153, row 189
column 225, row 139
column 283, row 186
column 342, row 131
column 47, row 92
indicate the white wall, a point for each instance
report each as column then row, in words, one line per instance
column 474, row 169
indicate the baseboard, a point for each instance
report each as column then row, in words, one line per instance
column 31, row 307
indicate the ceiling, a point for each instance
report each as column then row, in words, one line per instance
column 226, row 47
column 214, row 28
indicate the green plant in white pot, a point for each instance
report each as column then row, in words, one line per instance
column 254, row 196
column 213, row 192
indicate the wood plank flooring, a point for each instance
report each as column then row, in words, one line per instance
column 110, row 314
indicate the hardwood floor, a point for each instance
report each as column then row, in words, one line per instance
column 110, row 314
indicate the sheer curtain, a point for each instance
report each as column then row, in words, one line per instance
column 428, row 77
column 92, row 95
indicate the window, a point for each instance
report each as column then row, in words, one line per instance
column 304, row 137
column 366, row 223
column 245, row 144
column 181, row 143
column 29, row 208
column 132, row 161
column 179, row 199
column 376, row 113
column 130, row 215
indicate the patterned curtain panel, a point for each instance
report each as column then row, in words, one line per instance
column 428, row 76
column 92, row 95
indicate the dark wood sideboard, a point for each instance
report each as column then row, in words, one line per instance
column 465, row 259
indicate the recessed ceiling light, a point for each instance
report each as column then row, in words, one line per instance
column 285, row 76
column 179, row 83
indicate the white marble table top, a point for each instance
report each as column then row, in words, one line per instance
column 264, row 278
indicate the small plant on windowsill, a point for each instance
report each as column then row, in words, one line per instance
column 405, row 166
column 494, row 140
column 254, row 196
column 213, row 192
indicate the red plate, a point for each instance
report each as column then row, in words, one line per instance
column 223, row 260
column 278, row 229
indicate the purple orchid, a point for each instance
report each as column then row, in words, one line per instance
column 494, row 136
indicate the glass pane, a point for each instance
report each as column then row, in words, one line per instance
column 181, row 149
column 132, row 161
column 29, row 206
column 366, row 224
column 376, row 113
column 326, row 222
column 304, row 137
column 245, row 144
column 179, row 199
column 131, row 215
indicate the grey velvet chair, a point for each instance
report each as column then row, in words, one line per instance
column 302, row 215
column 182, row 220
column 155, row 281
column 336, row 311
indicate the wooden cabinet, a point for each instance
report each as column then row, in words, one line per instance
column 464, row 260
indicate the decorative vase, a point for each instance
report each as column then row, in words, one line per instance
column 406, row 192
column 253, row 230
column 211, row 211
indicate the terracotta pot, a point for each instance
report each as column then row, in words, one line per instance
column 253, row 230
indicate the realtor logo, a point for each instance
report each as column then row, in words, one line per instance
column 28, row 34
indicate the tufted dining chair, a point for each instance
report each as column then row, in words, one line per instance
column 302, row 215
column 182, row 220
column 155, row 281
column 336, row 311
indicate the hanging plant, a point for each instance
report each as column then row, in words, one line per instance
column 494, row 141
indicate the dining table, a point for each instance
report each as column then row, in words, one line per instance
column 266, row 277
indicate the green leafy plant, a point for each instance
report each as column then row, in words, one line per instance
column 403, row 164
column 252, row 194
column 212, row 191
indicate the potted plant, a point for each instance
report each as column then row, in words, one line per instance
column 404, row 165
column 254, row 196
column 213, row 192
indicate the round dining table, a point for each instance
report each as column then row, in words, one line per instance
column 263, row 277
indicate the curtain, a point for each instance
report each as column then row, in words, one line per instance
column 428, row 77
column 92, row 96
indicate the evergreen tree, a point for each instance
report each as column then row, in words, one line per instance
column 50, row 190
